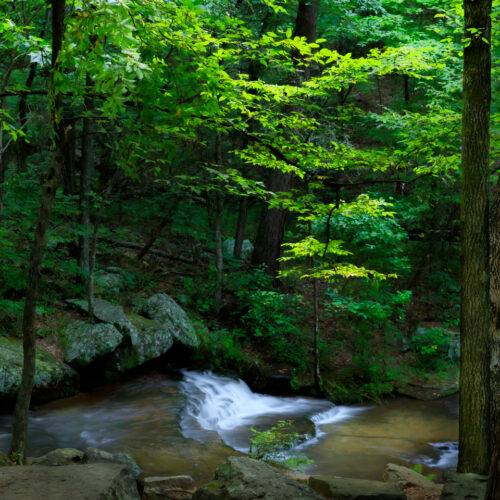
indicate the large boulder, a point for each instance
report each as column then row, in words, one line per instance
column 464, row 486
column 107, row 313
column 408, row 478
column 246, row 248
column 94, row 455
column 342, row 488
column 99, row 481
column 165, row 311
column 53, row 379
column 150, row 342
column 168, row 488
column 61, row 456
column 241, row 478
column 84, row 342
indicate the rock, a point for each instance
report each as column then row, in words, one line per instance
column 84, row 342
column 429, row 392
column 94, row 455
column 246, row 248
column 151, row 341
column 107, row 313
column 75, row 482
column 454, row 351
column 166, row 312
column 464, row 486
column 342, row 488
column 407, row 478
column 300, row 477
column 112, row 281
column 169, row 488
column 242, row 478
column 53, row 379
column 447, row 341
column 61, row 456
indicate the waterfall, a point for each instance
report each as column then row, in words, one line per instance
column 226, row 407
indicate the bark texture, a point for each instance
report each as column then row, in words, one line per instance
column 495, row 327
column 20, row 427
column 272, row 222
column 474, row 426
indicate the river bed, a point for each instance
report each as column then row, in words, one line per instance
column 190, row 423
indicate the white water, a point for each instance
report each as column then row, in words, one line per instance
column 141, row 416
column 228, row 407
column 220, row 407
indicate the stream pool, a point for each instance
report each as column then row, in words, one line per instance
column 189, row 424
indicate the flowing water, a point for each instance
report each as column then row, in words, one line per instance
column 190, row 424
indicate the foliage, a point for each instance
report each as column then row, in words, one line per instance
column 431, row 345
column 271, row 446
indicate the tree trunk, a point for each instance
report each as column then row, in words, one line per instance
column 317, row 374
column 241, row 227
column 23, row 106
column 474, row 429
column 85, row 184
column 20, row 427
column 493, row 488
column 495, row 316
column 272, row 222
column 271, row 227
column 219, row 262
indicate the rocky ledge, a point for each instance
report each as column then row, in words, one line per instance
column 98, row 475
column 117, row 341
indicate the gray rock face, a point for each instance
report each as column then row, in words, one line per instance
column 61, row 456
column 94, row 455
column 76, row 482
column 84, row 342
column 342, row 488
column 107, row 313
column 464, row 486
column 246, row 248
column 168, row 488
column 166, row 312
column 53, row 379
column 242, row 478
column 150, row 342
column 408, row 478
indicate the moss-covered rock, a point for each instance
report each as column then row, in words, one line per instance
column 151, row 341
column 166, row 312
column 84, row 342
column 107, row 313
column 53, row 379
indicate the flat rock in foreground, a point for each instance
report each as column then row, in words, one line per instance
column 76, row 482
column 343, row 488
column 242, row 478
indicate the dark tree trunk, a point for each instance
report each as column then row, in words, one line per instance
column 219, row 257
column 241, row 227
column 23, row 106
column 154, row 235
column 271, row 228
column 474, row 427
column 493, row 488
column 87, row 168
column 406, row 88
column 20, row 427
column 272, row 222
column 495, row 317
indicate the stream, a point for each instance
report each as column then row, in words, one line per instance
column 189, row 424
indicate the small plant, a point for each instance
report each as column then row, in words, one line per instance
column 270, row 446
column 419, row 468
column 431, row 346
